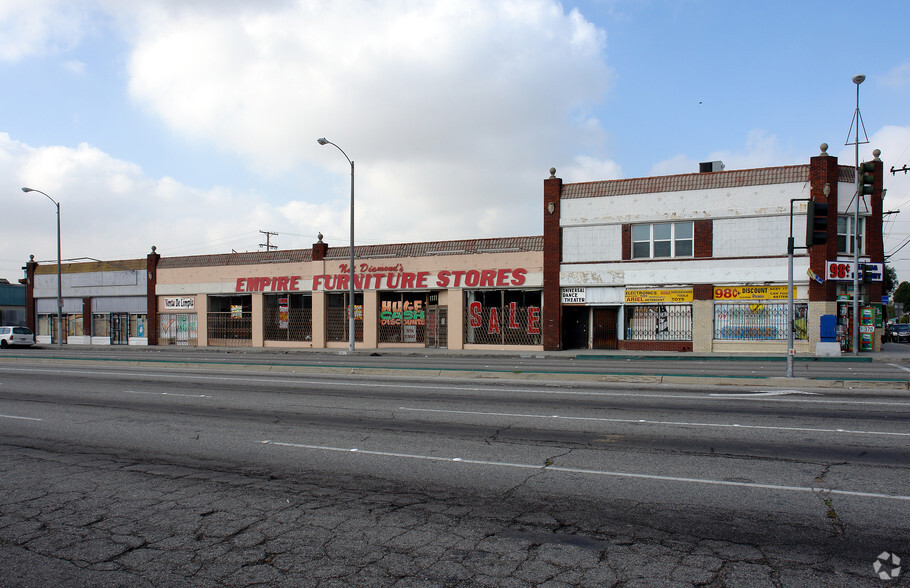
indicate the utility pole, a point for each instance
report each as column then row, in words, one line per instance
column 268, row 244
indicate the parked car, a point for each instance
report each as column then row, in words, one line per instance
column 901, row 333
column 16, row 336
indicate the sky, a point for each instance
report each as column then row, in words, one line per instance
column 191, row 126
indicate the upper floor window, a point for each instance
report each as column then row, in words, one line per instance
column 662, row 240
column 847, row 235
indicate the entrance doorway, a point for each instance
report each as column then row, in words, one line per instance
column 605, row 329
column 575, row 327
column 437, row 327
column 120, row 328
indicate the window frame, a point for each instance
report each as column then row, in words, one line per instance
column 848, row 234
column 660, row 243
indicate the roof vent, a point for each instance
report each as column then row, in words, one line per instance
column 710, row 166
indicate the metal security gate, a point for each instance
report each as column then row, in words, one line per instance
column 120, row 328
column 437, row 327
column 605, row 336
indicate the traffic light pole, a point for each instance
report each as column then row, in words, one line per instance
column 791, row 246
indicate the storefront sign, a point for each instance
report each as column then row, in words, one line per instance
column 477, row 314
column 283, row 313
column 236, row 311
column 573, row 296
column 751, row 293
column 402, row 313
column 388, row 280
column 487, row 278
column 658, row 296
column 839, row 271
column 179, row 303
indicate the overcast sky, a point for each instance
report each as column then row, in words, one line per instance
column 192, row 125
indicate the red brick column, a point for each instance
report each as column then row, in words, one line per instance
column 151, row 296
column 823, row 169
column 552, row 258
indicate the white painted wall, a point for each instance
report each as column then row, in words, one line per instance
column 592, row 243
column 682, row 205
column 694, row 271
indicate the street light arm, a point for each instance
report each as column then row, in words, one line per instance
column 324, row 141
column 27, row 190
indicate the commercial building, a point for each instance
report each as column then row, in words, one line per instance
column 699, row 262
column 483, row 293
column 12, row 304
column 691, row 262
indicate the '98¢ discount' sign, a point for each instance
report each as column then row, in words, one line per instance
column 840, row 270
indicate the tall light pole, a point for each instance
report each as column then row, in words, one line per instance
column 324, row 141
column 59, row 278
column 857, row 79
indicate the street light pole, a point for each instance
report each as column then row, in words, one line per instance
column 59, row 275
column 857, row 79
column 324, row 141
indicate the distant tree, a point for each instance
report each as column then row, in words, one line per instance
column 889, row 280
column 902, row 294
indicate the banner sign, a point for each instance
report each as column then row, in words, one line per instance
column 573, row 296
column 179, row 303
column 751, row 293
column 658, row 296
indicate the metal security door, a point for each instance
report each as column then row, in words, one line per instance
column 437, row 329
column 120, row 329
column 605, row 329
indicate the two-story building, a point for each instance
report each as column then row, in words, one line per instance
column 699, row 262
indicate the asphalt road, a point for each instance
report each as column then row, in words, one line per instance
column 890, row 369
column 156, row 474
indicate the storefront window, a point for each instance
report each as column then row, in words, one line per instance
column 138, row 325
column 502, row 317
column 337, row 318
column 759, row 321
column 230, row 320
column 178, row 329
column 402, row 317
column 74, row 325
column 288, row 317
column 659, row 322
column 101, row 325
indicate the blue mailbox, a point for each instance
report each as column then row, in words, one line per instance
column 828, row 328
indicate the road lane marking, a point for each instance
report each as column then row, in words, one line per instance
column 166, row 394
column 766, row 393
column 606, row 473
column 22, row 418
column 900, row 367
column 650, row 422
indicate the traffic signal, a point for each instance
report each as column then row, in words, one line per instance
column 866, row 178
column 816, row 223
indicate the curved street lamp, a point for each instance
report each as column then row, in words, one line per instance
column 59, row 279
column 324, row 141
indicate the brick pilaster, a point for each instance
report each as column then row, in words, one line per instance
column 552, row 258
column 823, row 170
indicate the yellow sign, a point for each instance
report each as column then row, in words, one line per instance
column 658, row 296
column 750, row 293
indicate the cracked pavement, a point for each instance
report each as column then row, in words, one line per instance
column 75, row 518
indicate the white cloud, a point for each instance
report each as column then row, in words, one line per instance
column 759, row 150
column 438, row 102
column 29, row 27
column 898, row 77
column 111, row 210
column 75, row 67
